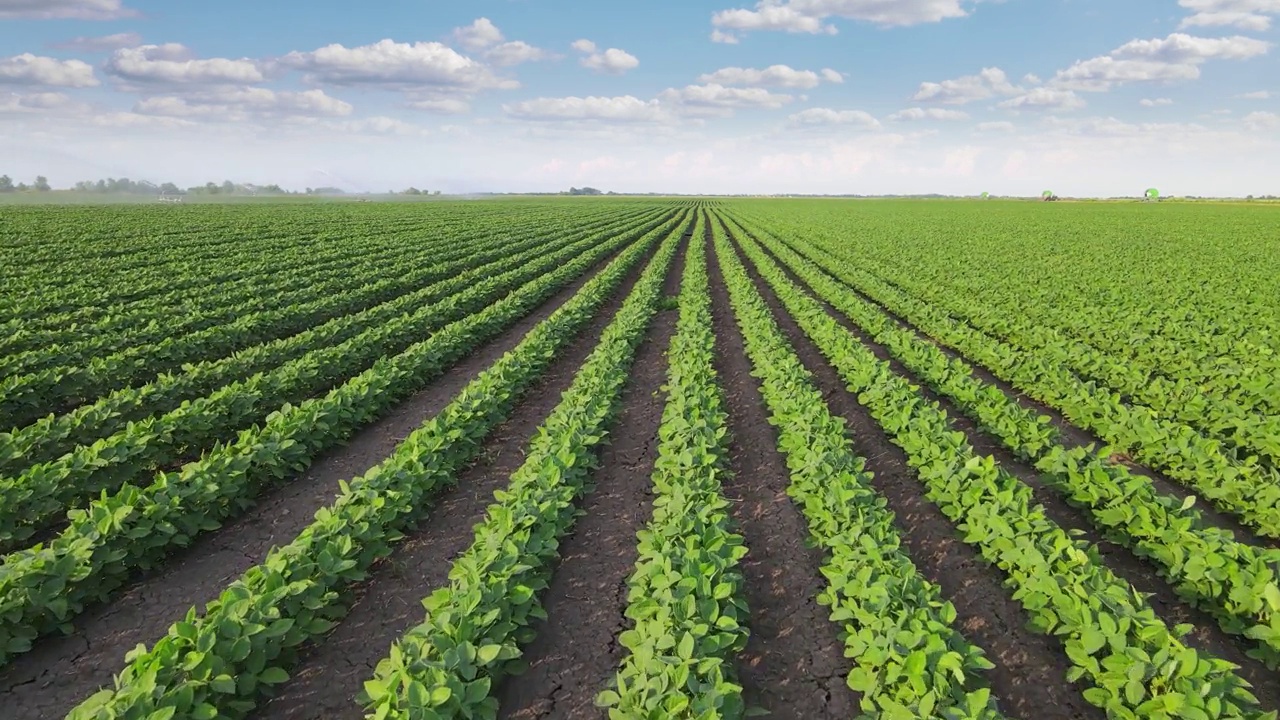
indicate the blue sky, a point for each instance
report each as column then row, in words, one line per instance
column 1088, row 97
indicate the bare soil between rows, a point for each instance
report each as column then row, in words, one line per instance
column 61, row 671
column 576, row 653
column 1029, row 677
column 793, row 665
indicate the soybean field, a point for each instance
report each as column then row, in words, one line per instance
column 640, row 458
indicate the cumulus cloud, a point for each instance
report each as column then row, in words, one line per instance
column 441, row 106
column 173, row 64
column 824, row 117
column 102, row 43
column 1260, row 121
column 478, row 35
column 392, row 64
column 28, row 69
column 40, row 102
column 240, row 103
column 809, row 16
column 515, row 53
column 968, row 88
column 717, row 98
column 64, row 9
column 916, row 113
column 1176, row 57
column 1044, row 99
column 1155, row 102
column 727, row 38
column 772, row 76
column 1242, row 14
column 611, row 61
column 625, row 108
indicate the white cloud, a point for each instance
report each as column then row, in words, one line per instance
column 987, row 83
column 1259, row 121
column 718, row 98
column 929, row 114
column 808, row 16
column 1255, row 95
column 172, row 63
column 612, row 61
column 720, row 36
column 40, row 102
column 392, row 64
column 478, row 35
column 1242, row 14
column 515, row 53
column 1176, row 57
column 819, row 117
column 832, row 76
column 442, row 106
column 625, row 108
column 1155, row 102
column 772, row 76
column 1044, row 99
column 64, row 9
column 240, row 103
column 102, row 43
column 999, row 126
column 28, row 69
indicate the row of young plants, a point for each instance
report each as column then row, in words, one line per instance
column 219, row 664
column 158, row 273
column 34, row 347
column 685, row 598
column 1238, row 420
column 56, row 435
column 1233, row 581
column 295, row 282
column 909, row 661
column 1245, row 490
column 36, row 497
column 43, row 588
column 1133, row 664
column 73, row 380
column 449, row 665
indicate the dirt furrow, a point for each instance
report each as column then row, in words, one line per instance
column 576, row 652
column 793, row 664
column 1029, row 679
column 61, row 671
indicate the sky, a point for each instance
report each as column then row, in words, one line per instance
column 1011, row 97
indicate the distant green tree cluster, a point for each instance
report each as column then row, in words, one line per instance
column 40, row 185
column 585, row 191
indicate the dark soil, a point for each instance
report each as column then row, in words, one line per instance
column 794, row 664
column 1029, row 679
column 1128, row 566
column 62, row 671
column 576, row 652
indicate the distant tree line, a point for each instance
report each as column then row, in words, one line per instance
column 415, row 191
column 40, row 185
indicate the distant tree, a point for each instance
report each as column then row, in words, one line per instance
column 413, row 191
column 23, row 187
column 228, row 187
column 42, row 184
column 6, row 184
column 170, row 189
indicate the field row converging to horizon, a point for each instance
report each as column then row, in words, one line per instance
column 640, row 458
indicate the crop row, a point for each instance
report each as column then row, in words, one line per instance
column 448, row 665
column 134, row 528
column 1242, row 489
column 53, row 436
column 909, row 660
column 220, row 663
column 70, row 381
column 1134, row 664
column 1233, row 581
column 685, row 599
